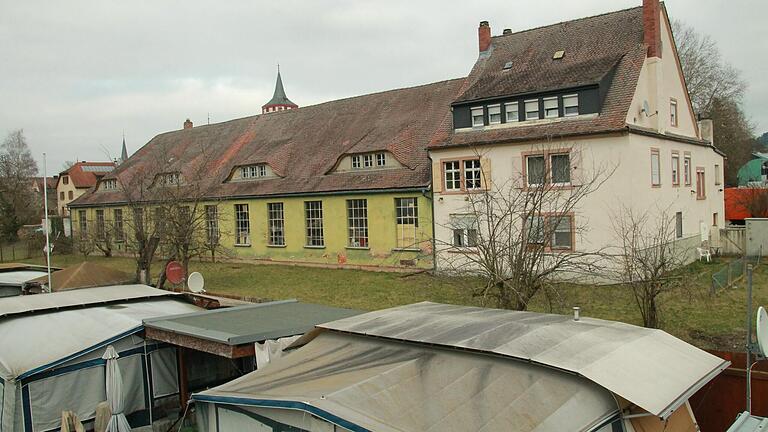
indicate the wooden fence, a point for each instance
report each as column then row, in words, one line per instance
column 717, row 404
column 733, row 241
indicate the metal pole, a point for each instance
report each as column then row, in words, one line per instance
column 749, row 339
column 47, row 223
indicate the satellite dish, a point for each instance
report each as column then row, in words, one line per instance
column 646, row 107
column 762, row 330
column 195, row 282
column 174, row 272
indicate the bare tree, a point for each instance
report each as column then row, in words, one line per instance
column 516, row 239
column 648, row 257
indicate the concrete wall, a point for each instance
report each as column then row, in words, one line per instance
column 382, row 250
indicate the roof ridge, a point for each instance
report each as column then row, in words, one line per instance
column 568, row 21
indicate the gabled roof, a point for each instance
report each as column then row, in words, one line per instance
column 50, row 181
column 606, row 49
column 86, row 174
column 302, row 145
column 647, row 367
column 279, row 97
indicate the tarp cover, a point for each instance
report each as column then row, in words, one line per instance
column 647, row 367
column 393, row 386
column 32, row 341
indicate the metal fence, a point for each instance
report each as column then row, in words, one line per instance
column 732, row 272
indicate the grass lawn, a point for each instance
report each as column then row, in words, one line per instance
column 689, row 312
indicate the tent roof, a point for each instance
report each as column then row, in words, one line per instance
column 368, row 384
column 44, row 340
column 85, row 275
column 39, row 303
column 647, row 367
column 251, row 323
column 19, row 277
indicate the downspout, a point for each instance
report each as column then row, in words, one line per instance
column 429, row 193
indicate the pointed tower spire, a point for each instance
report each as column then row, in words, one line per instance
column 124, row 151
column 279, row 101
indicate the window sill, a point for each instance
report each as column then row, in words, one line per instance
column 406, row 250
column 275, row 246
column 358, row 247
column 313, row 247
column 463, row 250
column 241, row 245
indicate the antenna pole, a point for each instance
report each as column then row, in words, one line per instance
column 47, row 223
column 749, row 337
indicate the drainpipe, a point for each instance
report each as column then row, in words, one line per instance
column 429, row 193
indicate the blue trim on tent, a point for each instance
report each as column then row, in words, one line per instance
column 2, row 403
column 79, row 353
column 81, row 365
column 270, row 403
column 26, row 408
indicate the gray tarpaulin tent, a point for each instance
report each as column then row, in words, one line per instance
column 52, row 345
column 430, row 367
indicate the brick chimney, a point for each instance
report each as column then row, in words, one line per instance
column 188, row 124
column 484, row 36
column 652, row 27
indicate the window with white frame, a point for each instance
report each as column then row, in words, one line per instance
column 532, row 109
column 675, row 169
column 253, row 171
column 100, row 224
column 687, row 169
column 83, row 222
column 275, row 224
column 168, row 179
column 313, row 217
column 242, row 225
column 357, row 223
column 109, row 184
column 118, row 222
column 494, row 114
column 571, row 105
column 367, row 161
column 512, row 111
column 560, row 168
column 407, row 220
column 381, row 159
column 452, row 172
column 562, row 232
column 551, row 107
column 478, row 117
column 655, row 168
column 464, row 231
column 212, row 233
column 673, row 112
column 356, row 162
column 552, row 231
column 535, row 170
column 472, row 174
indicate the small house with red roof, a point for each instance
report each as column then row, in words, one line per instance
column 76, row 180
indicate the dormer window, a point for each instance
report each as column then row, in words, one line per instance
column 494, row 114
column 551, row 108
column 109, row 184
column 532, row 109
column 381, row 159
column 478, row 117
column 571, row 105
column 512, row 111
column 169, row 179
column 356, row 162
column 253, row 171
column 368, row 161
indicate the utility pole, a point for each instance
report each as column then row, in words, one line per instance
column 47, row 223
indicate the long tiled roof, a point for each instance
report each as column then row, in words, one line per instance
column 606, row 49
column 303, row 145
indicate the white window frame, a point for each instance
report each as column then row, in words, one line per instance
column 455, row 169
column 367, row 161
column 117, row 215
column 464, row 232
column 475, row 116
column 82, row 219
column 570, row 101
column 242, row 225
column 381, row 159
column 655, row 168
column 472, row 174
column 494, row 111
column 687, row 169
column 525, row 106
column 101, row 224
column 514, row 109
column 551, row 111
column 275, row 224
column 313, row 224
column 673, row 118
column 212, row 232
column 528, row 169
column 675, row 169
column 357, row 223
column 356, row 162
column 552, row 168
column 407, row 222
column 553, row 245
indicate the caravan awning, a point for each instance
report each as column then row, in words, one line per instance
column 647, row 367
column 368, row 384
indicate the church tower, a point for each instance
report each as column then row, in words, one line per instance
column 279, row 101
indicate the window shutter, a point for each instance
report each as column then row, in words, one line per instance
column 485, row 169
column 518, row 180
column 437, row 177
column 577, row 170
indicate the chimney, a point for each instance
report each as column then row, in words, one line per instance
column 484, row 36
column 652, row 27
column 706, row 129
column 507, row 31
column 188, row 124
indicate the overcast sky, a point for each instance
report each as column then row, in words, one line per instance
column 77, row 74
